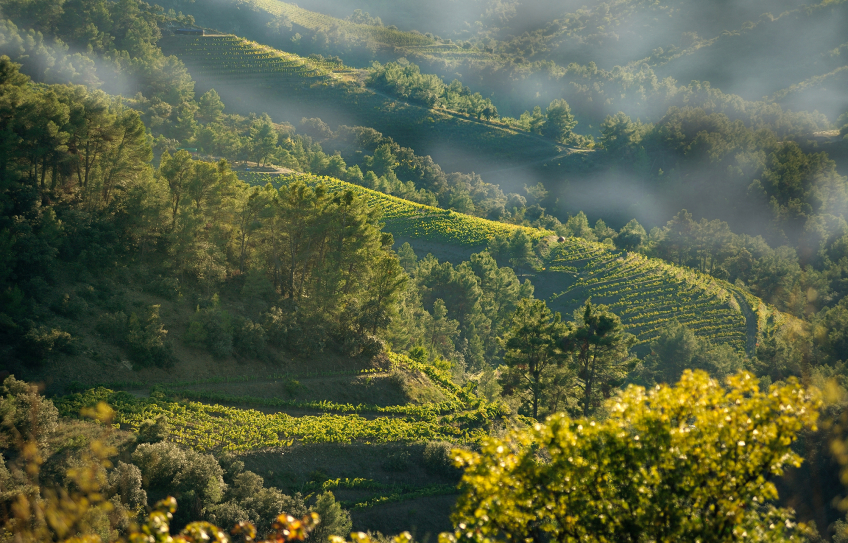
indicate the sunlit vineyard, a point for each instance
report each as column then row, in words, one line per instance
column 408, row 219
column 648, row 293
column 315, row 21
column 208, row 426
column 420, row 412
column 227, row 55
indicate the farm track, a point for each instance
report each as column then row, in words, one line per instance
column 752, row 331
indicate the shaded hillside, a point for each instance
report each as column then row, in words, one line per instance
column 457, row 143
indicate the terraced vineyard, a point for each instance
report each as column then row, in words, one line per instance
column 228, row 55
column 211, row 426
column 316, row 21
column 294, row 87
column 408, row 219
column 647, row 293
column 413, row 43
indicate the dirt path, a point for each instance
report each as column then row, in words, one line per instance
column 751, row 324
column 563, row 151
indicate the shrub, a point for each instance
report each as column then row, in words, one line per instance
column 364, row 345
column 38, row 343
column 247, row 499
column 146, row 339
column 335, row 521
column 277, row 324
column 249, row 338
column 438, row 458
column 257, row 288
column 70, row 306
column 196, row 334
column 212, row 328
column 305, row 336
column 112, row 326
column 396, row 461
column 166, row 287
column 228, row 513
column 88, row 293
column 167, row 466
column 125, row 481
column 158, row 462
column 154, row 430
column 25, row 415
column 292, row 387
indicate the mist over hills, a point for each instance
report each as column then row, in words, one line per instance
column 311, row 254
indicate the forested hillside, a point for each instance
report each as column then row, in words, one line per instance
column 304, row 270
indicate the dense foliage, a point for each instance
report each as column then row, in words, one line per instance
column 689, row 462
column 405, row 79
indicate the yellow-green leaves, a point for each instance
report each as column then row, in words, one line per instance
column 681, row 463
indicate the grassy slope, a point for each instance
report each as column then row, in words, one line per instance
column 318, row 21
column 410, row 42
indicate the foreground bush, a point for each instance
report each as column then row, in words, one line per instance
column 693, row 462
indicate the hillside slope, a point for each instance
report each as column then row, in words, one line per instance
column 646, row 293
column 290, row 88
column 527, row 53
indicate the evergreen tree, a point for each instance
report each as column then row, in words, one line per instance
column 600, row 351
column 532, row 352
column 559, row 121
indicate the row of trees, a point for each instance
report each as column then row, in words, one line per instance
column 405, row 79
column 383, row 165
column 571, row 366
